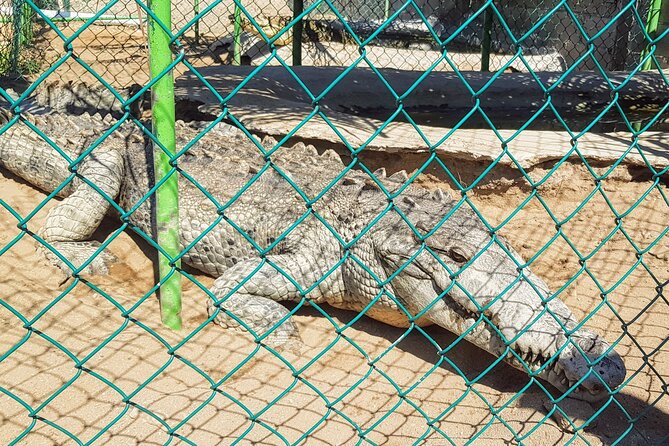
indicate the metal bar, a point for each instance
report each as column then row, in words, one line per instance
column 486, row 39
column 16, row 37
column 236, row 37
column 622, row 42
column 652, row 24
column 298, row 9
column 196, row 26
column 66, row 16
column 167, row 196
column 27, row 33
column 386, row 10
column 20, row 16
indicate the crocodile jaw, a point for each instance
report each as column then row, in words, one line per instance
column 542, row 348
column 591, row 369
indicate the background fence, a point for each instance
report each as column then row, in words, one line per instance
column 88, row 361
column 117, row 38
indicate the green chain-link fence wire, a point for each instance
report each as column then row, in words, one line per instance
column 82, row 367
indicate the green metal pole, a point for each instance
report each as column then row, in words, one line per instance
column 167, row 197
column 652, row 24
column 196, row 11
column 17, row 11
column 298, row 8
column 236, row 37
column 20, row 37
column 386, row 10
column 27, row 29
column 486, row 39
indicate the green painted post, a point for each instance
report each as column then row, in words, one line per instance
column 652, row 24
column 17, row 17
column 27, row 33
column 486, row 39
column 298, row 9
column 22, row 31
column 196, row 26
column 167, row 197
column 386, row 10
column 236, row 37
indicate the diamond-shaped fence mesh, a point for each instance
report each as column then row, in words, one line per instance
column 385, row 247
column 553, row 35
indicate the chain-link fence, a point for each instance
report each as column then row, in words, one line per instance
column 411, row 41
column 344, row 292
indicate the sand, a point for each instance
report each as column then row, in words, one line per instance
column 334, row 387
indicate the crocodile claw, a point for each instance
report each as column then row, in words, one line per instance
column 77, row 254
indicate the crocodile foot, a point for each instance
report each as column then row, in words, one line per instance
column 268, row 320
column 78, row 254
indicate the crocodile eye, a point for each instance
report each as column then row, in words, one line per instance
column 457, row 255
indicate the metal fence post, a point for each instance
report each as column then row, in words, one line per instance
column 236, row 37
column 651, row 28
column 196, row 25
column 298, row 8
column 652, row 24
column 22, row 31
column 486, row 39
column 167, row 198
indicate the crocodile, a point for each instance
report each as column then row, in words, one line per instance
column 286, row 224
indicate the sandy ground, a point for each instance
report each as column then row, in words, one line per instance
column 336, row 386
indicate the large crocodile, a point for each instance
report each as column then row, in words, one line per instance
column 284, row 239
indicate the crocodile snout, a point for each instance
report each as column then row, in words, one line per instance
column 594, row 365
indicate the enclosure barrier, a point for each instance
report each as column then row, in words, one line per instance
column 127, row 402
column 222, row 34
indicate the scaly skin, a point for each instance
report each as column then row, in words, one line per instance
column 437, row 276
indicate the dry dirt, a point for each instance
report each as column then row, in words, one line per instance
column 178, row 390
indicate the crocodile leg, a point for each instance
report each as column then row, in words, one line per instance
column 255, row 301
column 70, row 225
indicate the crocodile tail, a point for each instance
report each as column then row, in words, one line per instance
column 28, row 155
